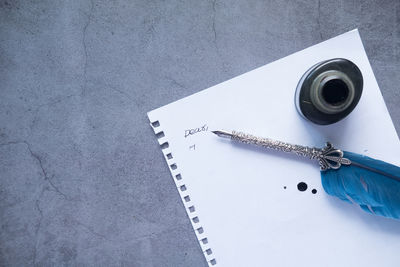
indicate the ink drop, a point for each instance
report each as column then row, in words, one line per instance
column 284, row 187
column 302, row 186
column 314, row 191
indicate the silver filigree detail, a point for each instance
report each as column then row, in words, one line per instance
column 327, row 157
column 332, row 158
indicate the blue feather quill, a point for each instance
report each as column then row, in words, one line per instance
column 372, row 184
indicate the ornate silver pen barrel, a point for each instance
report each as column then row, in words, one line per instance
column 327, row 157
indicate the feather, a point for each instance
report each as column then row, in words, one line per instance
column 372, row 184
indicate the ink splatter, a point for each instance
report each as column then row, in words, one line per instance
column 314, row 191
column 284, row 187
column 302, row 186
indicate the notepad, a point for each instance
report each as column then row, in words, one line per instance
column 244, row 202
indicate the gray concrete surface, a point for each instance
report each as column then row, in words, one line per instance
column 82, row 179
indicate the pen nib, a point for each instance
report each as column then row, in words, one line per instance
column 222, row 134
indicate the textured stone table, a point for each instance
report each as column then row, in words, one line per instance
column 82, row 179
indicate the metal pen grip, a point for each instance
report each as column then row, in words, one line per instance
column 304, row 151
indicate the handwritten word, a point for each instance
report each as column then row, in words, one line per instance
column 196, row 130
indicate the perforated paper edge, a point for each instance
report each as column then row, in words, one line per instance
column 184, row 192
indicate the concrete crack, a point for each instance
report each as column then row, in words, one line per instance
column 85, row 27
column 88, row 228
column 319, row 20
column 54, row 102
column 214, row 31
column 46, row 177
column 152, row 234
column 37, row 228
column 175, row 82
column 149, row 24
column 214, row 2
column 39, row 160
column 123, row 93
column 11, row 143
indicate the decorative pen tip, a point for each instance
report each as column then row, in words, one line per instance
column 222, row 134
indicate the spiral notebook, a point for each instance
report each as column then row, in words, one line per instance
column 243, row 202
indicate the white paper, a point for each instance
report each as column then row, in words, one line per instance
column 238, row 193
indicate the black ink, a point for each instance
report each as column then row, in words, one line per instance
column 335, row 92
column 314, row 191
column 192, row 147
column 196, row 130
column 284, row 187
column 302, row 186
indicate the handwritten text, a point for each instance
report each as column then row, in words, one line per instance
column 196, row 130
